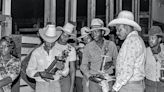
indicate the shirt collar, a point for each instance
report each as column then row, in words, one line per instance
column 132, row 33
column 105, row 42
column 42, row 47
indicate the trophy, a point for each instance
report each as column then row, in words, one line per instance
column 104, row 56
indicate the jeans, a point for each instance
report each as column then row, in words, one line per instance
column 153, row 86
column 65, row 83
column 133, row 87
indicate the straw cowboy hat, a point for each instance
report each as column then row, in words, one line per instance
column 67, row 28
column 125, row 17
column 155, row 30
column 99, row 24
column 84, row 32
column 49, row 33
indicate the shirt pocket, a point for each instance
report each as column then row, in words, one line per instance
column 109, row 58
column 41, row 62
column 95, row 57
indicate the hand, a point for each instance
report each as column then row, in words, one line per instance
column 45, row 75
column 95, row 79
column 60, row 65
column 47, row 80
column 100, row 76
column 108, row 65
column 37, row 74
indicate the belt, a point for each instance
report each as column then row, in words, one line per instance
column 135, row 82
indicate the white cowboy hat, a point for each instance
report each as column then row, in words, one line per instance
column 49, row 33
column 125, row 17
column 67, row 28
column 84, row 32
column 99, row 24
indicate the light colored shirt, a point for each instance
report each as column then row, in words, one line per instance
column 154, row 64
column 130, row 61
column 93, row 53
column 40, row 60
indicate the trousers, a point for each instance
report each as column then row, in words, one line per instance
column 53, row 86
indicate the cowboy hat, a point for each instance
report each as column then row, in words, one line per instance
column 97, row 24
column 67, row 28
column 155, row 30
column 125, row 17
column 84, row 32
column 49, row 33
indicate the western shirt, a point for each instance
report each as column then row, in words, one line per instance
column 93, row 54
column 130, row 61
column 40, row 60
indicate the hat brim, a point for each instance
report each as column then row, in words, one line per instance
column 107, row 31
column 61, row 28
column 125, row 21
column 47, row 38
column 159, row 34
column 83, row 36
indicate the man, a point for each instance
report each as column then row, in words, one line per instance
column 101, row 54
column 82, row 82
column 131, row 58
column 42, row 58
column 155, row 60
column 67, row 83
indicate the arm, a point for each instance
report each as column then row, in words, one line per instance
column 70, row 69
column 31, row 70
column 115, row 53
column 85, row 61
column 72, row 74
column 128, row 54
column 72, row 59
column 5, row 81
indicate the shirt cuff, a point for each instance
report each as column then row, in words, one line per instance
column 31, row 73
column 117, row 86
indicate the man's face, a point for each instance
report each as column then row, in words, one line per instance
column 65, row 37
column 153, row 41
column 121, row 31
column 97, row 34
column 48, row 45
column 4, row 47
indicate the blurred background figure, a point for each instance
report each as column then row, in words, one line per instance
column 82, row 82
column 9, row 63
column 67, row 83
column 154, row 81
